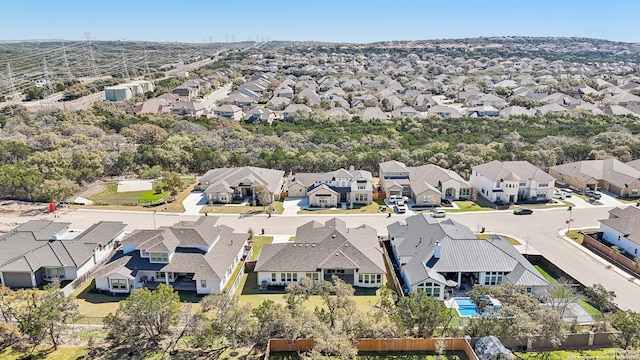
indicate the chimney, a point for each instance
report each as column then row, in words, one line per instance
column 436, row 250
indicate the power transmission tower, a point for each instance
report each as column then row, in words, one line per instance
column 47, row 75
column 147, row 72
column 11, row 83
column 92, row 60
column 66, row 62
column 124, row 67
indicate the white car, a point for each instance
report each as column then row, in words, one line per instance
column 567, row 192
column 438, row 213
column 401, row 207
column 559, row 195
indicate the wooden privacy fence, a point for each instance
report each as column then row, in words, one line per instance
column 591, row 241
column 379, row 345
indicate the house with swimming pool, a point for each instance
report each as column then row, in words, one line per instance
column 440, row 257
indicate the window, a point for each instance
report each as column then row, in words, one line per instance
column 313, row 276
column 159, row 275
column 203, row 283
column 361, row 197
column 464, row 192
column 543, row 184
column 288, row 277
column 159, row 257
column 432, row 289
column 498, row 197
column 54, row 273
column 362, row 185
column 493, row 278
column 497, row 184
column 427, row 199
column 523, row 182
column 529, row 290
column 634, row 192
column 378, row 278
column 120, row 284
column 145, row 254
column 273, row 277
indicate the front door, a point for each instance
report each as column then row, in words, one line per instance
column 343, row 197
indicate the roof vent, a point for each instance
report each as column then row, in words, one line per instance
column 337, row 254
column 346, row 245
column 333, row 236
column 313, row 245
column 307, row 245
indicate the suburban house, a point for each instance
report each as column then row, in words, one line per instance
column 42, row 251
column 622, row 229
column 437, row 256
column 510, row 181
column 427, row 185
column 229, row 111
column 226, row 185
column 609, row 175
column 329, row 189
column 189, row 108
column 195, row 256
column 321, row 251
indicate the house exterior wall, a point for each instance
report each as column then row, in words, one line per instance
column 219, row 198
column 266, row 276
column 417, row 287
column 618, row 239
column 368, row 284
column 428, row 197
column 297, row 191
column 578, row 184
column 323, row 198
column 104, row 283
column 212, row 287
column 510, row 191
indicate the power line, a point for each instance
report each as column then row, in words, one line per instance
column 124, row 65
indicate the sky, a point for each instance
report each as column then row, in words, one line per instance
column 353, row 21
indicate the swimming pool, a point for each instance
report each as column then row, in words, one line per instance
column 467, row 308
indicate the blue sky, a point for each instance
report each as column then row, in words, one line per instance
column 327, row 20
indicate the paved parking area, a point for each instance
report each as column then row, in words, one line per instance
column 194, row 202
column 293, row 205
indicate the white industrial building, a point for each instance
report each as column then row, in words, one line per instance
column 126, row 91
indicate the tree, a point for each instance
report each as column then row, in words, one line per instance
column 172, row 182
column 145, row 314
column 628, row 325
column 600, row 297
column 421, row 314
column 36, row 314
column 263, row 195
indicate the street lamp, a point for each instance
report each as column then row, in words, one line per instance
column 570, row 210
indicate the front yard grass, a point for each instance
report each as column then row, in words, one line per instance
column 372, row 208
column 467, row 205
column 546, row 275
column 239, row 209
column 576, row 236
column 256, row 244
column 575, row 354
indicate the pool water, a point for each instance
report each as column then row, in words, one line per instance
column 467, row 308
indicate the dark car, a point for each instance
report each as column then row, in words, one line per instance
column 523, row 211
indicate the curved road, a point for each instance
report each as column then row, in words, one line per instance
column 539, row 231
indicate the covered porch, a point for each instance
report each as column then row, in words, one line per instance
column 460, row 283
column 181, row 282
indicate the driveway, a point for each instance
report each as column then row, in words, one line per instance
column 292, row 205
column 194, row 202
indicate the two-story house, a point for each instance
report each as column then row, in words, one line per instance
column 510, row 181
column 352, row 187
column 195, row 256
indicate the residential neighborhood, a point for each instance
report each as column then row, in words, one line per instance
column 472, row 198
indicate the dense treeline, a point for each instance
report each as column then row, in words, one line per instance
column 50, row 155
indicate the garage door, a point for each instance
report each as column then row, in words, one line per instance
column 15, row 279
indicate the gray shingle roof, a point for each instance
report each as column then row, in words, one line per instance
column 610, row 170
column 225, row 178
column 33, row 245
column 190, row 235
column 331, row 245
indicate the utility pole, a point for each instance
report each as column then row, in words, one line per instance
column 570, row 210
column 124, row 66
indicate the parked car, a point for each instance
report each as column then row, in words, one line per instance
column 394, row 198
column 567, row 192
column 559, row 195
column 401, row 207
column 523, row 211
column 438, row 213
column 593, row 194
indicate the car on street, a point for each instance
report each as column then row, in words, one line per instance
column 438, row 213
column 523, row 211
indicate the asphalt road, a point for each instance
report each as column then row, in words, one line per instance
column 539, row 231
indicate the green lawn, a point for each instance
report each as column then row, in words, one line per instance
column 589, row 308
column 110, row 196
column 372, row 208
column 575, row 236
column 93, row 306
column 257, row 243
column 485, row 236
column 465, row 206
column 234, row 275
column 250, row 294
column 239, row 209
column 546, row 275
